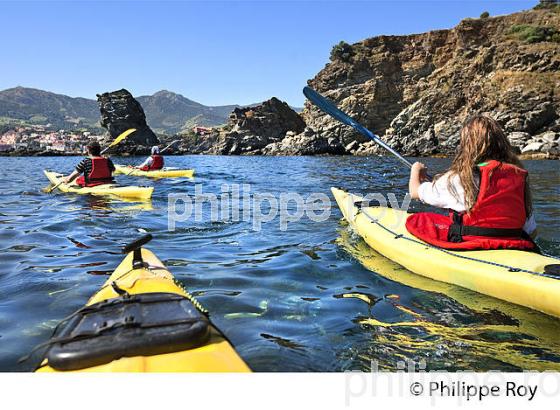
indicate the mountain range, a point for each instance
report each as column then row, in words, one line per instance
column 166, row 112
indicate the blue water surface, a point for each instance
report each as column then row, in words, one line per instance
column 310, row 298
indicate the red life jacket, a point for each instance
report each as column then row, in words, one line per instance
column 494, row 222
column 100, row 173
column 157, row 163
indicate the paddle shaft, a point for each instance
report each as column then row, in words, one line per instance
column 330, row 108
column 54, row 187
column 169, row 146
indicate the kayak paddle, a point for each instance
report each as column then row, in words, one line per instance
column 169, row 146
column 121, row 137
column 49, row 190
column 117, row 140
column 330, row 108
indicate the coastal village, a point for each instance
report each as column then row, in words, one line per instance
column 39, row 138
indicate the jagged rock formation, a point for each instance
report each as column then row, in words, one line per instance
column 119, row 112
column 271, row 119
column 249, row 131
column 416, row 90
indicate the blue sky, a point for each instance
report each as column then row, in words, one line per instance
column 228, row 52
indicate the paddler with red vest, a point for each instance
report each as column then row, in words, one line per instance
column 93, row 170
column 153, row 162
column 486, row 190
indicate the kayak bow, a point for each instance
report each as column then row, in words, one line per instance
column 140, row 321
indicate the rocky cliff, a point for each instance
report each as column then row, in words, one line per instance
column 416, row 90
column 120, row 112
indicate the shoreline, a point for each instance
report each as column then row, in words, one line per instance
column 524, row 157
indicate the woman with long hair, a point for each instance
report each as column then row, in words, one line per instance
column 486, row 190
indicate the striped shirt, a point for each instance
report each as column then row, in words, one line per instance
column 85, row 166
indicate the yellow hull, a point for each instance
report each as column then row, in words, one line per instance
column 216, row 356
column 474, row 270
column 162, row 173
column 532, row 330
column 131, row 192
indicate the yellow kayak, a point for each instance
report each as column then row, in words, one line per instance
column 533, row 331
column 132, row 192
column 140, row 320
column 524, row 278
column 161, row 173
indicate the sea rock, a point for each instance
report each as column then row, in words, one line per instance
column 250, row 130
column 352, row 147
column 515, row 124
column 306, row 143
column 532, row 147
column 549, row 136
column 518, row 139
column 368, row 148
column 265, row 123
column 120, row 112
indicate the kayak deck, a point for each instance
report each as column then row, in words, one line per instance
column 132, row 192
column 162, row 173
column 216, row 355
column 512, row 275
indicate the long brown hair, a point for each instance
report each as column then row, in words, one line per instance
column 482, row 139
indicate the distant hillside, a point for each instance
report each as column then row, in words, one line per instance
column 166, row 112
column 43, row 107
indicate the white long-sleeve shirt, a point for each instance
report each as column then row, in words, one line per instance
column 437, row 194
column 149, row 161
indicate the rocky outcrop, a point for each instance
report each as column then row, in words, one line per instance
column 120, row 112
column 306, row 143
column 250, row 130
column 416, row 90
column 271, row 120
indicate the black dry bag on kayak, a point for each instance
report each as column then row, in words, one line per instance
column 127, row 326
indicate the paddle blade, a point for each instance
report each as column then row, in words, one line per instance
column 121, row 137
column 330, row 108
column 49, row 190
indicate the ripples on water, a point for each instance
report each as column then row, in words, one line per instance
column 313, row 298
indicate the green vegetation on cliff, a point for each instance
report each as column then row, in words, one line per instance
column 535, row 34
column 342, row 51
column 552, row 5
